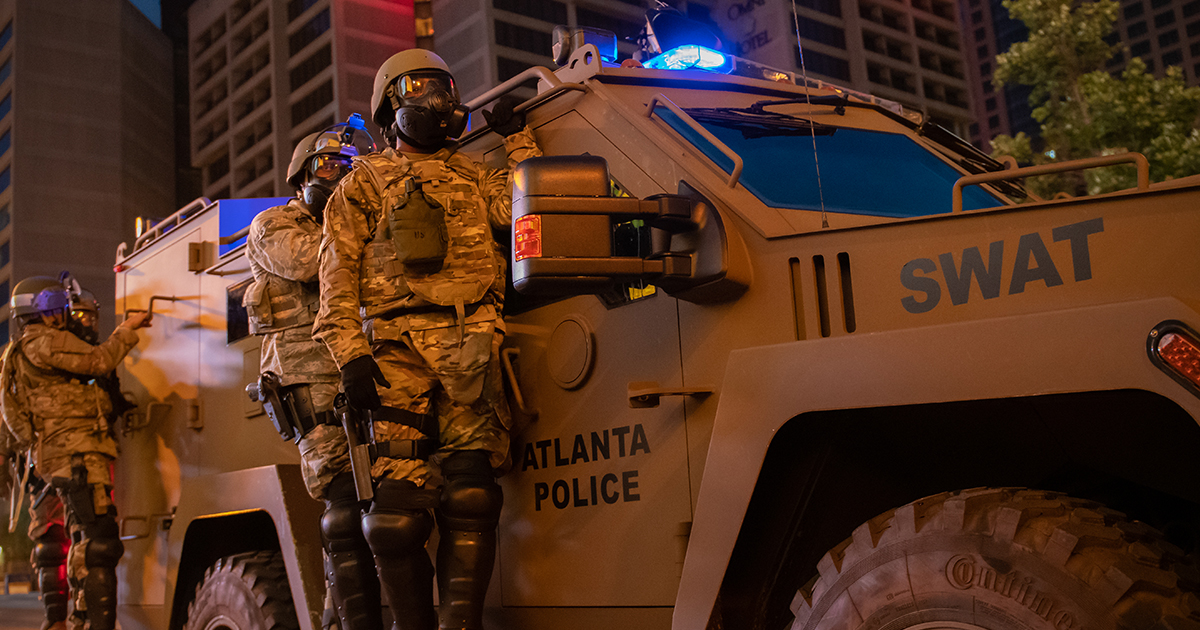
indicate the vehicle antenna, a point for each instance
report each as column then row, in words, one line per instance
column 808, row 99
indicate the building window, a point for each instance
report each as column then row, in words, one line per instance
column 827, row 65
column 521, row 38
column 1193, row 29
column 311, row 67
column 296, row 8
column 1191, row 8
column 1134, row 10
column 5, row 290
column 828, row 7
column 974, row 129
column 1117, row 59
column 5, row 253
column 508, row 68
column 5, row 70
column 993, row 122
column 4, row 331
column 985, row 68
column 5, row 217
column 1168, row 39
column 1140, row 48
column 5, row 142
column 308, row 33
column 977, row 17
column 988, row 88
column 823, row 33
column 6, row 105
column 982, row 51
column 1149, row 65
column 313, row 102
column 980, row 34
column 1163, row 19
column 624, row 29
column 991, row 104
column 6, row 34
column 218, row 169
column 1136, row 30
column 1173, row 58
column 548, row 10
column 1155, row 4
column 5, row 179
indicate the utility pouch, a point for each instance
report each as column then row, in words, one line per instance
column 258, row 306
column 289, row 408
column 418, row 227
column 77, row 494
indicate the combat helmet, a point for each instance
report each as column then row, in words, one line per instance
column 21, row 303
column 415, row 91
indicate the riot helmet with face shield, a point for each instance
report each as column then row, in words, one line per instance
column 324, row 158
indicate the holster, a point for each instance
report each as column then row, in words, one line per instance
column 406, row 449
column 76, row 492
column 290, row 408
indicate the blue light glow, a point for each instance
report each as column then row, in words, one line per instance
column 691, row 57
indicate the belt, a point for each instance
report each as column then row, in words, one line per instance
column 433, row 308
column 402, row 449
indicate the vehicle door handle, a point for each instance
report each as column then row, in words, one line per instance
column 646, row 394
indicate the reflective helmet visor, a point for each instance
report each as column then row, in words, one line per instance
column 330, row 167
column 345, row 140
column 414, row 86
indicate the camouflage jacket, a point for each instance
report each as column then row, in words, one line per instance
column 55, row 376
column 362, row 278
column 282, row 247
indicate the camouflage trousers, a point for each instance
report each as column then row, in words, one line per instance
column 100, row 479
column 324, row 452
column 458, row 380
column 46, row 515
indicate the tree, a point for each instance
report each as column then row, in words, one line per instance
column 1083, row 110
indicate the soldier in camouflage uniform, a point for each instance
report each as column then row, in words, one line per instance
column 412, row 285
column 282, row 247
column 67, row 422
column 47, row 519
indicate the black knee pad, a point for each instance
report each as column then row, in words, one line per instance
column 394, row 534
column 471, row 498
column 341, row 527
column 104, row 547
column 51, row 547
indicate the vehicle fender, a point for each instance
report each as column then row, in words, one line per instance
column 1073, row 350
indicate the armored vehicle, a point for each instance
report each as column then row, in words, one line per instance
column 780, row 356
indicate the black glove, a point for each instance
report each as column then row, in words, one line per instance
column 502, row 119
column 359, row 377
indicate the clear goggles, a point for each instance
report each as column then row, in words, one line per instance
column 411, row 86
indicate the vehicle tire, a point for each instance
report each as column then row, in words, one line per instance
column 1001, row 559
column 247, row 591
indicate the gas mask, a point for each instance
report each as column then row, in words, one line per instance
column 325, row 171
column 427, row 109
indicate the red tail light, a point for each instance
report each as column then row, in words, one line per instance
column 1175, row 348
column 527, row 237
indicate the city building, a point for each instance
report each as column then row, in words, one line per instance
column 486, row 42
column 909, row 51
column 86, row 139
column 265, row 73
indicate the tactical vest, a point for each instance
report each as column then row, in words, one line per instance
column 398, row 262
column 51, row 394
column 273, row 304
column 15, row 413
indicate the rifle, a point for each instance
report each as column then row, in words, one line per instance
column 360, row 455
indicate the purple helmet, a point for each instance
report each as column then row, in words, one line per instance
column 51, row 299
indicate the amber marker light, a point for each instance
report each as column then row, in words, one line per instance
column 527, row 237
column 1175, row 349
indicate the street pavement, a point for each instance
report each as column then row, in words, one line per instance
column 20, row 612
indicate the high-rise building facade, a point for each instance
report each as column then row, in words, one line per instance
column 486, row 42
column 265, row 73
column 86, row 138
column 909, row 51
column 1162, row 32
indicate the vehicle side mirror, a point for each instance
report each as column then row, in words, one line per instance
column 564, row 218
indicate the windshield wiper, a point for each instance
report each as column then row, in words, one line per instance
column 759, row 124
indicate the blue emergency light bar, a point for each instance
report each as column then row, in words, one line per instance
column 691, row 57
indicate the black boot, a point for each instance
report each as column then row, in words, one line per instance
column 396, row 529
column 349, row 565
column 50, row 560
column 467, row 519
